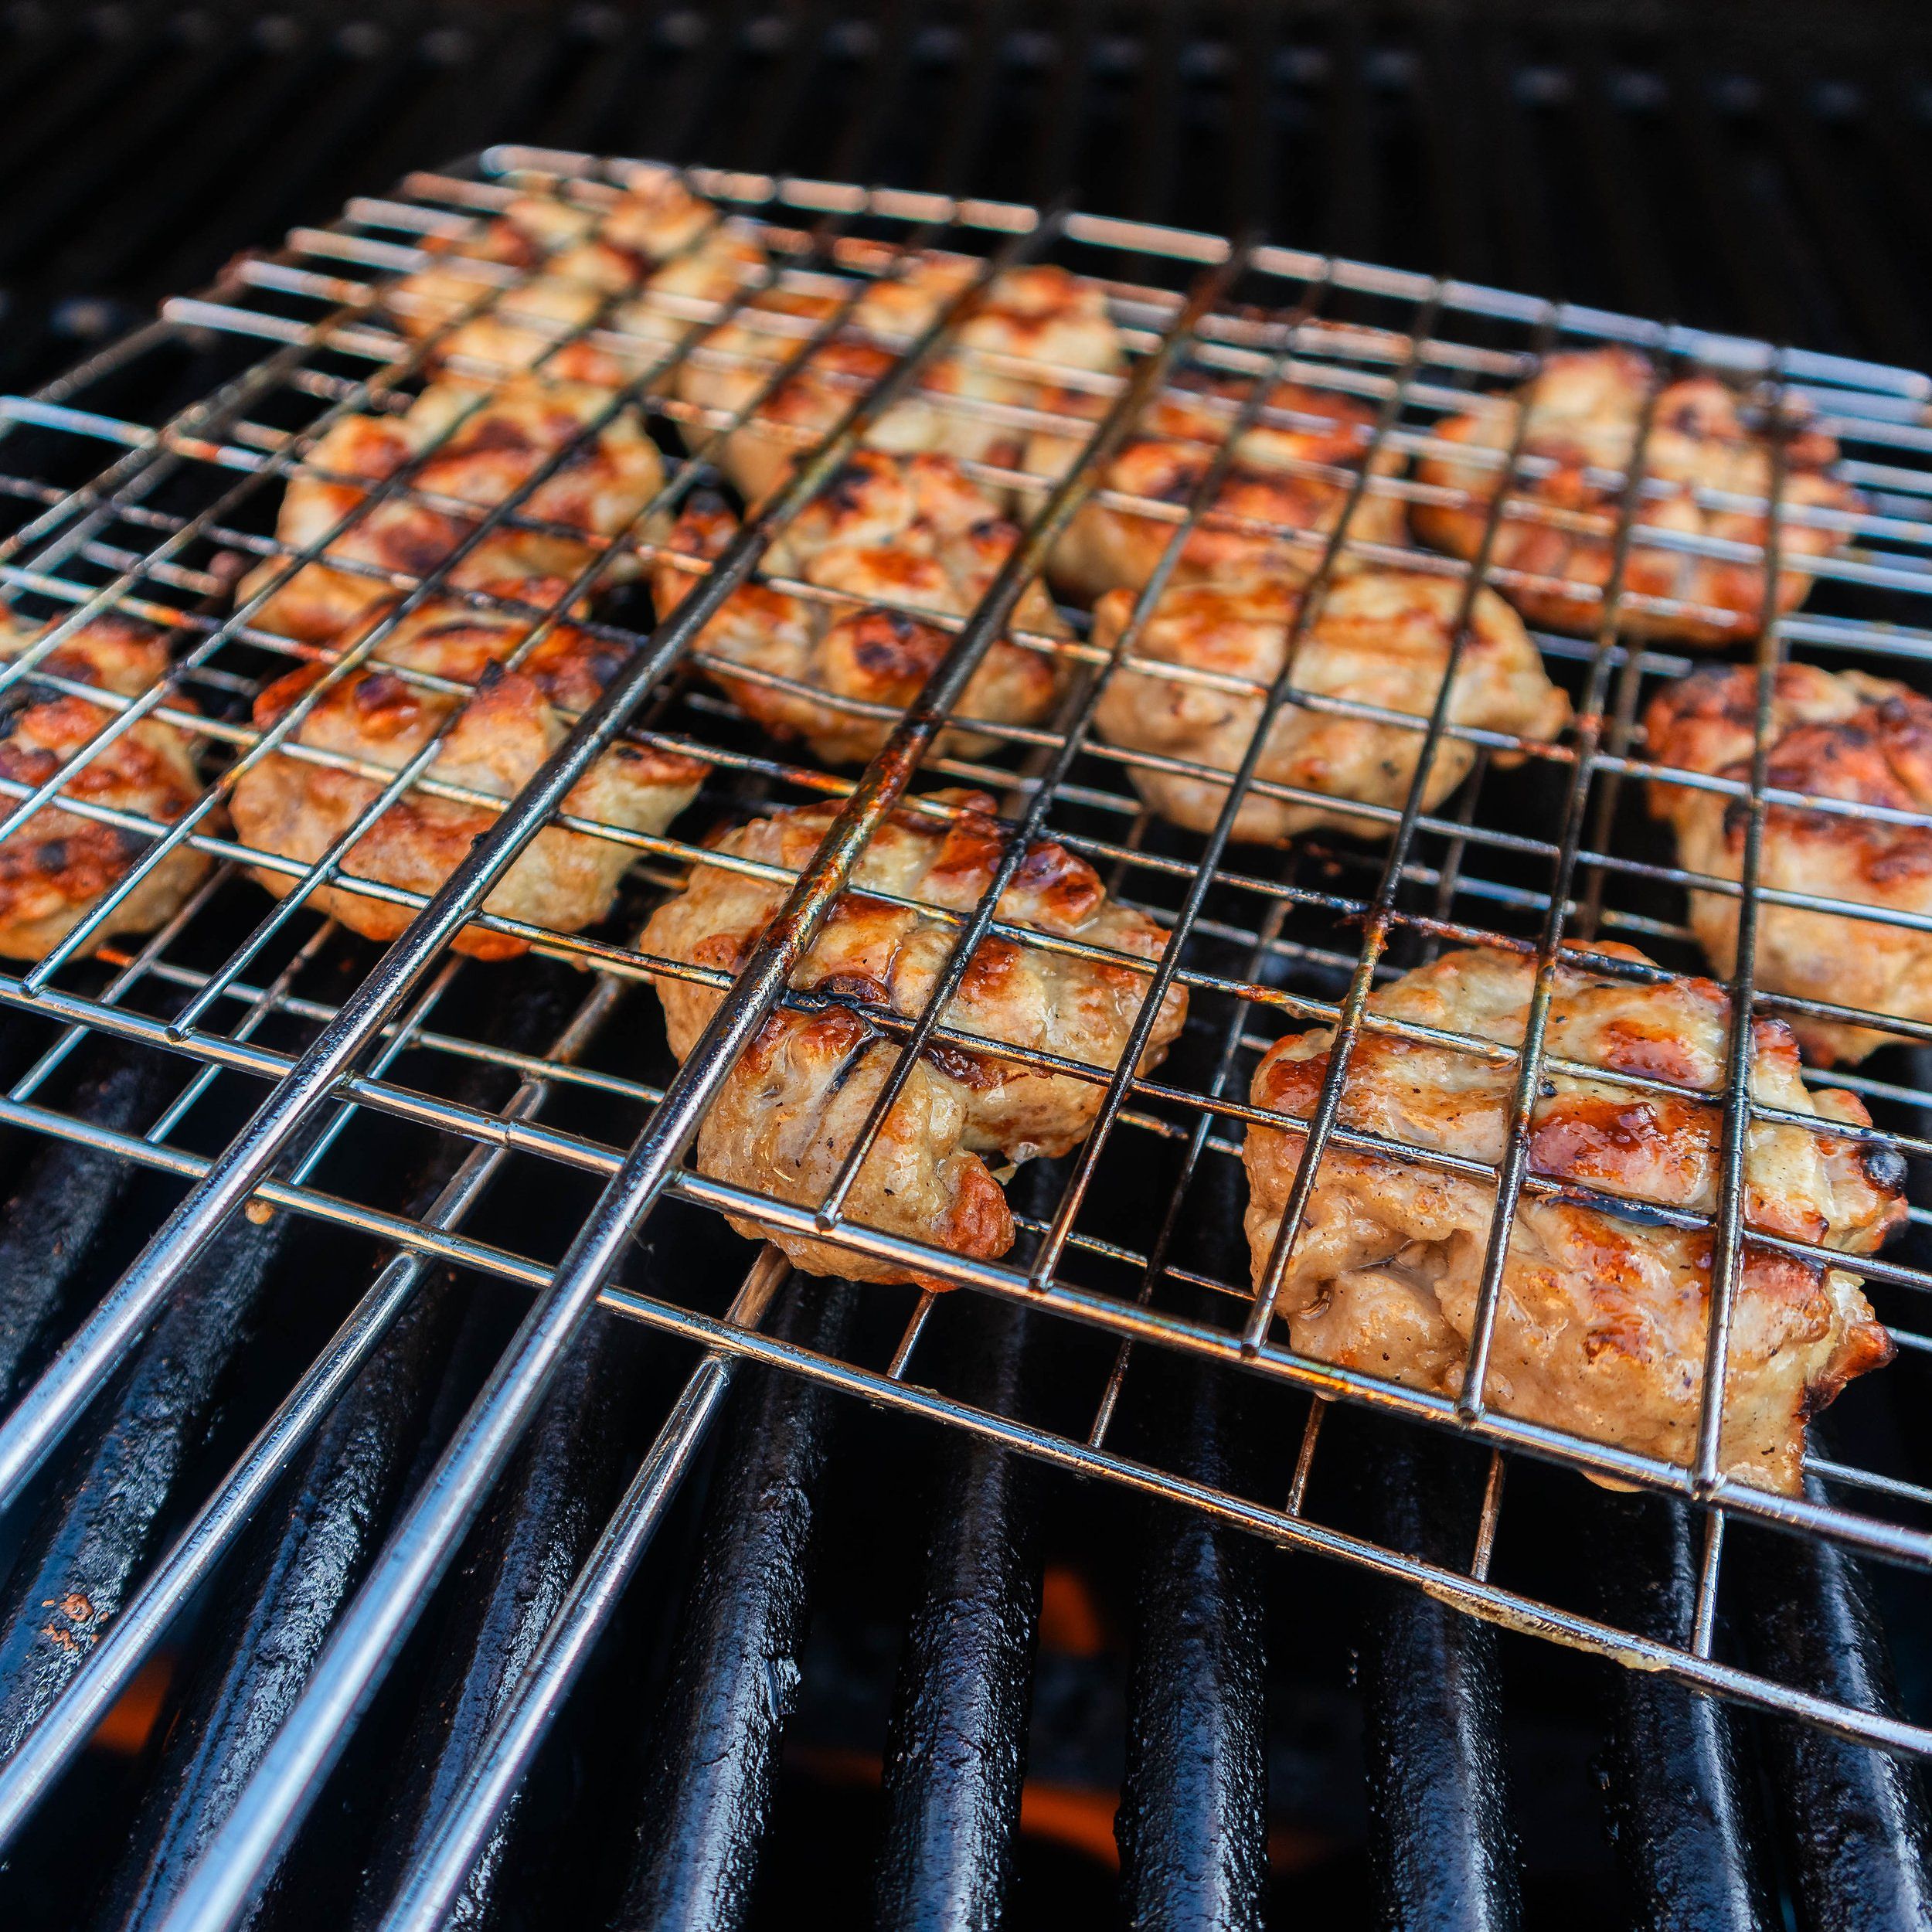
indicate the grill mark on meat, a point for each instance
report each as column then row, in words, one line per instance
column 981, row 1072
column 860, row 986
column 847, row 492
column 489, row 433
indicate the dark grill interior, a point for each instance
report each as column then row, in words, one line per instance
column 870, row 1666
column 1750, row 169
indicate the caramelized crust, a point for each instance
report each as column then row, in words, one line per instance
column 1602, row 1317
column 501, row 734
column 1584, row 418
column 967, row 403
column 58, row 865
column 1291, row 477
column 1379, row 637
column 909, row 533
column 472, row 447
column 791, row 1110
column 1833, row 735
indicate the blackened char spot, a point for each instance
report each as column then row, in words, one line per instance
column 846, row 490
column 1884, row 1166
column 1180, row 482
column 1621, row 1207
column 845, row 986
column 849, row 1065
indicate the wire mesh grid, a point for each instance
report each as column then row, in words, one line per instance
column 138, row 481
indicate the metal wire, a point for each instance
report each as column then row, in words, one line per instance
column 1278, row 941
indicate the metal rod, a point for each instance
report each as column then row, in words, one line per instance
column 1192, row 1824
column 1680, row 1804
column 27, row 1434
column 1441, row 1841
column 112, row 1664
column 1854, row 1822
column 712, row 1760
column 530, row 1704
column 1728, row 1258
column 955, row 1753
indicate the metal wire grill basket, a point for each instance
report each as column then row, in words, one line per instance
column 134, row 483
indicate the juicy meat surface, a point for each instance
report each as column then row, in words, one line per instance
column 969, row 400
column 895, row 537
column 1833, row 735
column 1708, row 474
column 473, row 449
column 1379, row 638
column 791, row 1110
column 1602, row 1318
column 498, row 737
column 59, row 865
column 1286, row 488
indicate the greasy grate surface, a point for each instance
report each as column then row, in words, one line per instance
column 1126, row 1246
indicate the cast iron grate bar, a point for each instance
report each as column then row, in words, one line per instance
column 956, row 1752
column 1683, row 1812
column 712, row 1760
column 1441, row 1839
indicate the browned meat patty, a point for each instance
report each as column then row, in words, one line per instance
column 895, row 537
column 1834, row 735
column 563, row 880
column 1708, row 478
column 58, row 866
column 482, row 453
column 791, row 1110
column 1601, row 1323
column 970, row 402
column 1287, row 485
column 1379, row 637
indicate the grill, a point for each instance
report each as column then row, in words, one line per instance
column 523, row 1384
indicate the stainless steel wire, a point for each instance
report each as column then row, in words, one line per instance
column 1283, row 942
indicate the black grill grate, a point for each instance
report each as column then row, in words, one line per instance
column 1130, row 86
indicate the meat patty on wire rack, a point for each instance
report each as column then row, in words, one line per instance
column 892, row 537
column 642, row 267
column 1695, row 568
column 1834, row 735
column 792, row 1110
column 973, row 401
column 1603, row 1316
column 60, row 864
column 1190, row 691
column 502, row 725
column 475, row 447
column 1286, row 489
